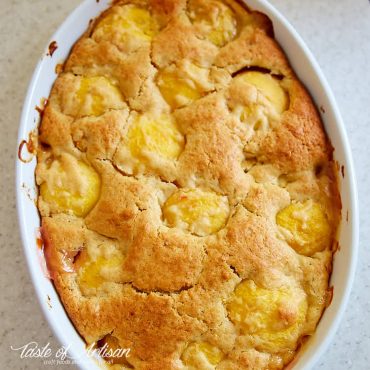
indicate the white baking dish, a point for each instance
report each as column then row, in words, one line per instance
column 311, row 75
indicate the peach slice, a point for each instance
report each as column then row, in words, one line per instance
column 71, row 186
column 305, row 226
column 200, row 212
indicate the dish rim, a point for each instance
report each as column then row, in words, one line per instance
column 349, row 182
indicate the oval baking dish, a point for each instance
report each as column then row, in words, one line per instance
column 311, row 76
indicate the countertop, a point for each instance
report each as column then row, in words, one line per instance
column 337, row 32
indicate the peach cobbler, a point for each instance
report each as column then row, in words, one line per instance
column 187, row 190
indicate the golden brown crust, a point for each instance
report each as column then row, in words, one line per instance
column 253, row 48
column 162, row 287
column 178, row 41
column 299, row 142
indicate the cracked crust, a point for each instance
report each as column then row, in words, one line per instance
column 171, row 288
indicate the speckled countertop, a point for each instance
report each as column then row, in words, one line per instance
column 337, row 32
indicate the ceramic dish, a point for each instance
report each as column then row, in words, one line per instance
column 309, row 73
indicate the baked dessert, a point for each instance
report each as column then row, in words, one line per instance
column 188, row 193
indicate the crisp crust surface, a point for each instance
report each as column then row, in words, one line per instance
column 188, row 194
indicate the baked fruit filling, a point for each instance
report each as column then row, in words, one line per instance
column 179, row 89
column 160, row 136
column 273, row 315
column 269, row 87
column 129, row 21
column 95, row 270
column 82, row 96
column 201, row 355
column 269, row 102
column 215, row 20
column 70, row 186
column 96, row 95
column 183, row 214
column 306, row 227
column 200, row 212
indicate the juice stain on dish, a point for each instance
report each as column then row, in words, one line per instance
column 53, row 46
column 31, row 146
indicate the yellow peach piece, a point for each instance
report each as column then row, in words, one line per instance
column 201, row 353
column 200, row 212
column 225, row 28
column 305, row 226
column 275, row 316
column 71, row 186
column 269, row 87
column 96, row 95
column 92, row 273
column 218, row 22
column 89, row 275
column 129, row 20
column 160, row 136
column 176, row 90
